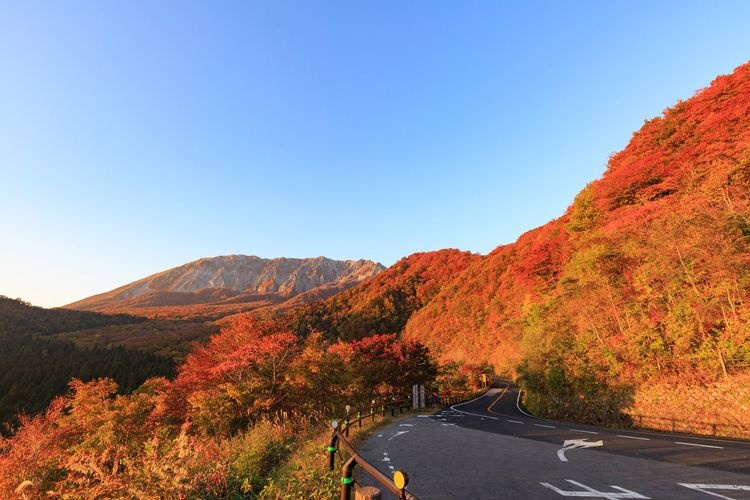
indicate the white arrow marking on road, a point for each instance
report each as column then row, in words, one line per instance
column 397, row 435
column 703, row 487
column 589, row 492
column 571, row 444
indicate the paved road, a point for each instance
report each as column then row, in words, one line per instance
column 488, row 448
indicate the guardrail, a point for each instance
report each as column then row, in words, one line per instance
column 689, row 426
column 340, row 440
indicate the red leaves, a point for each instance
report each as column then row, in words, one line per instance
column 241, row 346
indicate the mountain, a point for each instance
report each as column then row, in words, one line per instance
column 218, row 286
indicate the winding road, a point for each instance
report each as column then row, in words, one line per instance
column 490, row 448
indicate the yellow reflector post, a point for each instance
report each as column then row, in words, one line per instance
column 400, row 479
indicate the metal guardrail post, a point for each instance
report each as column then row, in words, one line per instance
column 332, row 450
column 346, row 479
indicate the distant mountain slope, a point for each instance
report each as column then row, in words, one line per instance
column 647, row 274
column 214, row 287
column 384, row 303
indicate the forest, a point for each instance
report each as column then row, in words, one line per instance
column 38, row 367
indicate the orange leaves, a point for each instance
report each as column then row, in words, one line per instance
column 32, row 456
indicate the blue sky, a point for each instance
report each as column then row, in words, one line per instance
column 136, row 136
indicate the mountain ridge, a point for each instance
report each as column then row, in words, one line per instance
column 231, row 279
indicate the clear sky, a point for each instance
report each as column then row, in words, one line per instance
column 139, row 135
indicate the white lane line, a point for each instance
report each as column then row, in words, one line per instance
column 545, row 426
column 515, row 421
column 701, row 445
column 467, row 402
column 587, row 432
column 633, row 437
column 477, row 415
column 518, row 405
column 469, row 413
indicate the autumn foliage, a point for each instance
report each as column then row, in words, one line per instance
column 219, row 427
column 384, row 303
column 646, row 278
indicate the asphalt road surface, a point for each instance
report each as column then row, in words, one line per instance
column 489, row 448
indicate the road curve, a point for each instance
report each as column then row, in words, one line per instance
column 489, row 448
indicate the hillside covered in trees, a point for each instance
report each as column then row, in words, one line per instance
column 384, row 303
column 646, row 277
column 37, row 366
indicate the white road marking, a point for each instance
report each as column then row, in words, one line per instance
column 570, row 444
column 406, row 425
column 397, row 435
column 477, row 415
column 633, row 437
column 473, row 414
column 467, row 402
column 423, row 416
column 703, row 487
column 546, row 426
column 701, row 445
column 515, row 421
column 587, row 432
column 518, row 405
column 589, row 492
